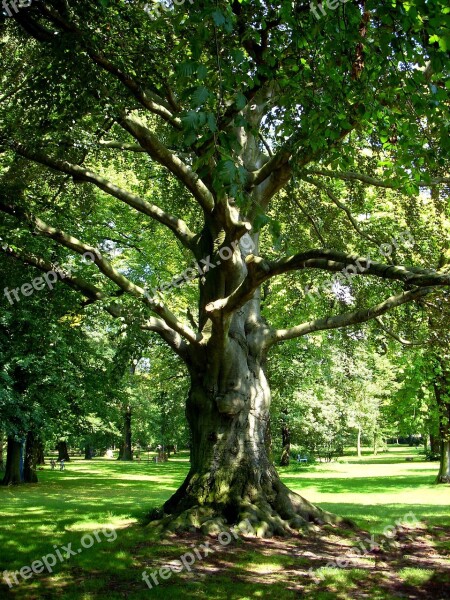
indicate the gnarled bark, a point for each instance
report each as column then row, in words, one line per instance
column 231, row 476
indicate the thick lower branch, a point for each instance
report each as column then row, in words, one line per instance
column 177, row 226
column 260, row 270
column 104, row 266
column 347, row 319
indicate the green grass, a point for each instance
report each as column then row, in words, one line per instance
column 90, row 495
column 374, row 491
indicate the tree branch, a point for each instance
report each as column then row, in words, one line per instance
column 121, row 146
column 259, row 270
column 177, row 226
column 148, row 99
column 273, row 164
column 77, row 283
column 349, row 318
column 311, row 220
column 351, row 176
column 342, row 206
column 170, row 160
column 173, row 339
column 104, row 266
column 93, row 293
column 277, row 171
column 395, row 336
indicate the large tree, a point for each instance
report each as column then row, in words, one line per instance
column 216, row 116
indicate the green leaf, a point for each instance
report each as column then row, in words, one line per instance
column 186, row 69
column 241, row 101
column 200, row 96
column 260, row 221
column 202, row 72
column 211, row 122
column 226, row 170
column 218, row 18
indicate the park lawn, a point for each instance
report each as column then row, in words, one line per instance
column 374, row 492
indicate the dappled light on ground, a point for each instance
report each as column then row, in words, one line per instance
column 90, row 495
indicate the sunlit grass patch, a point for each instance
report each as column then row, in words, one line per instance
column 415, row 576
column 339, row 582
column 266, row 567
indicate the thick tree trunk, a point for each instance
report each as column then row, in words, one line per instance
column 125, row 452
column 30, row 460
column 231, row 477
column 13, row 474
column 63, row 453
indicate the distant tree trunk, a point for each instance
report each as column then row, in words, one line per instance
column 2, row 441
column 40, row 458
column 12, row 472
column 358, row 443
column 125, row 452
column 63, row 453
column 444, row 430
column 444, row 468
column 88, row 451
column 30, row 459
column 375, row 443
column 434, row 443
column 286, row 440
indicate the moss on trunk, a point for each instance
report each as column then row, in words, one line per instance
column 232, row 480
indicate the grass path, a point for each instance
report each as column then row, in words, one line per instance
column 90, row 495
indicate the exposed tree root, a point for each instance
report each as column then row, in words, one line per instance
column 280, row 513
